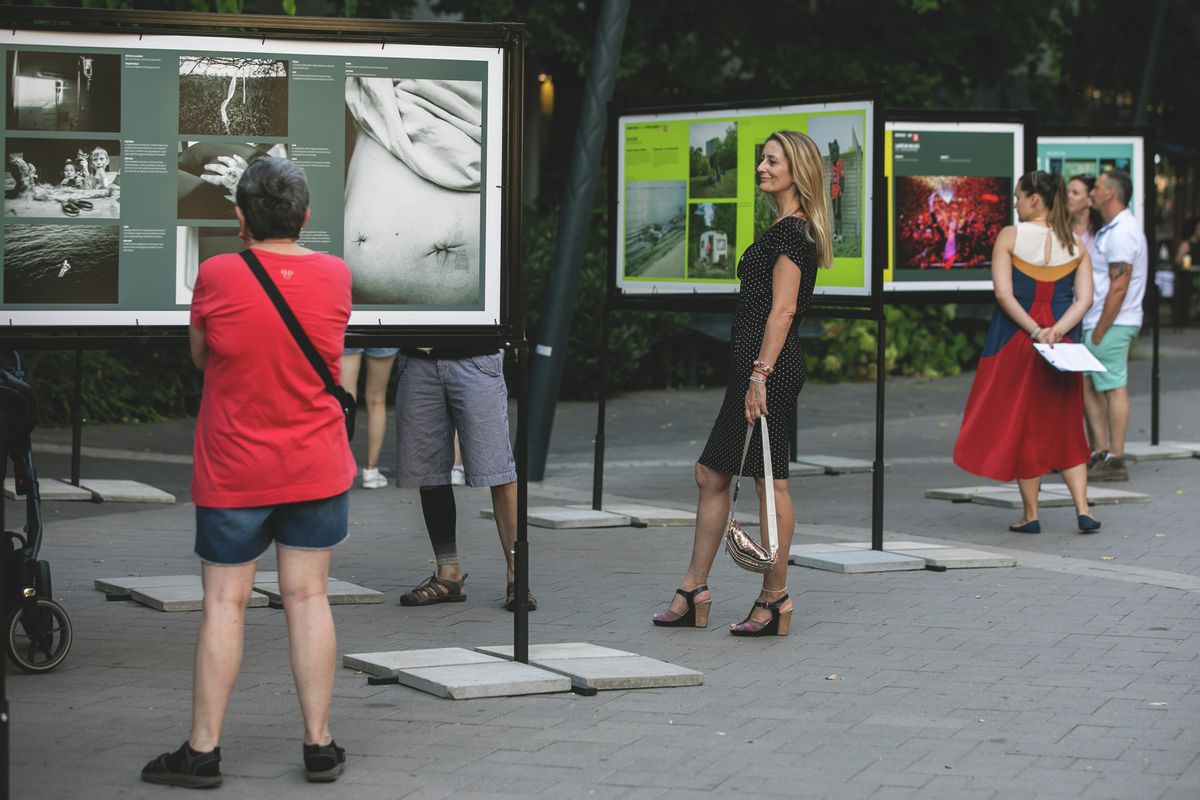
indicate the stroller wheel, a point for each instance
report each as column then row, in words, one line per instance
column 40, row 643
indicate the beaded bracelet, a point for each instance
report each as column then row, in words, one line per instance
column 757, row 380
column 763, row 367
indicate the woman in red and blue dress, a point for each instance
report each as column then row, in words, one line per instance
column 1024, row 418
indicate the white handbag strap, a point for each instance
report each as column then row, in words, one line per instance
column 769, row 488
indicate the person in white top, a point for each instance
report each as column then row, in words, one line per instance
column 1119, row 271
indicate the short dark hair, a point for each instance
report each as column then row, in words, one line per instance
column 1120, row 181
column 273, row 197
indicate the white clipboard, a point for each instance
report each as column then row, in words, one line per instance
column 1066, row 357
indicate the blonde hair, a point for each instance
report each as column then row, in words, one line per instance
column 808, row 176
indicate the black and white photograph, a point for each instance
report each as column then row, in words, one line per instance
column 413, row 210
column 233, row 96
column 63, row 91
column 59, row 178
column 61, row 264
column 712, row 159
column 209, row 172
column 712, row 241
column 655, row 229
column 194, row 244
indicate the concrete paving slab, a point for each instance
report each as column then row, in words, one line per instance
column 1012, row 499
column 123, row 491
column 1100, row 495
column 966, row 494
column 961, row 558
column 1192, row 447
column 50, row 489
column 622, row 672
column 181, row 598
column 123, row 584
column 557, row 651
column 387, row 664
column 858, row 561
column 651, row 516
column 836, row 465
column 1144, row 451
column 339, row 592
column 799, row 470
column 564, row 517
column 495, row 678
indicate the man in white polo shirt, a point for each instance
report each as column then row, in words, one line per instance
column 1119, row 270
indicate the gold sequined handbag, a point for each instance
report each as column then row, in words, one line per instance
column 747, row 552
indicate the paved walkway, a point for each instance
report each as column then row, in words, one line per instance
column 1075, row 674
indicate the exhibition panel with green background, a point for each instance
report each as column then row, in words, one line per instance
column 688, row 206
column 1094, row 155
column 123, row 153
column 950, row 187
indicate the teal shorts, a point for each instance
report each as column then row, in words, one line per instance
column 1113, row 353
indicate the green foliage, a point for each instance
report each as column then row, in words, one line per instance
column 130, row 386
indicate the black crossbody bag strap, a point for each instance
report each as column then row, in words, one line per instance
column 293, row 324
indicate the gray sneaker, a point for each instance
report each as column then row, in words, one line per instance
column 1109, row 470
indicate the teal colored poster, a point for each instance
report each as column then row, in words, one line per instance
column 1090, row 156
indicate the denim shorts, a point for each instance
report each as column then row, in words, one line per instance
column 233, row 536
column 436, row 397
column 372, row 352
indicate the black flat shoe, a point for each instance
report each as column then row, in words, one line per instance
column 1033, row 526
column 324, row 763
column 186, row 768
column 1088, row 524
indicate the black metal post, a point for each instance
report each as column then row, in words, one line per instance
column 1155, row 376
column 601, row 405
column 877, row 469
column 558, row 304
column 77, row 419
column 521, row 547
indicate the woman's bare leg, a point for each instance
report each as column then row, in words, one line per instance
column 1076, row 480
column 218, row 649
column 303, row 575
column 712, row 512
column 775, row 579
column 1029, row 498
column 348, row 376
column 378, row 372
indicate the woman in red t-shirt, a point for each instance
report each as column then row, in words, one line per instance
column 272, row 464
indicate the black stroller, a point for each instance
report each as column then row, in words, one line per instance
column 37, row 630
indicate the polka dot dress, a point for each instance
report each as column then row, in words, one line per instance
column 723, row 452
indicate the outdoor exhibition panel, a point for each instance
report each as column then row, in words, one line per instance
column 1092, row 155
column 950, row 192
column 684, row 204
column 124, row 143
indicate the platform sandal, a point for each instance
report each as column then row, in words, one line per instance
column 696, row 615
column 777, row 626
column 436, row 590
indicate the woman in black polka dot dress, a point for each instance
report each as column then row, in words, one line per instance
column 766, row 373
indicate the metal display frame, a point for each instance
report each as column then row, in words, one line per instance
column 867, row 307
column 1027, row 118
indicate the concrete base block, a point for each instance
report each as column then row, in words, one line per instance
column 124, row 584
column 339, row 592
column 181, row 597
column 121, row 491
column 650, row 516
column 1052, row 495
column 850, row 561
column 389, row 664
column 1144, row 451
column 622, row 672
column 563, row 517
column 836, row 465
column 494, row 678
column 557, row 651
column 1012, row 499
column 961, row 558
column 1099, row 495
column 50, row 489
column 1191, row 447
column 799, row 470
column 966, row 494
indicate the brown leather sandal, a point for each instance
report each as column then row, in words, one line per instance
column 510, row 598
column 436, row 590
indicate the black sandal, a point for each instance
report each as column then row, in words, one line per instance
column 323, row 763
column 510, row 598
column 186, row 768
column 435, row 590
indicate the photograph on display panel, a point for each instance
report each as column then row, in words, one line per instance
column 233, row 96
column 60, row 264
column 412, row 213
column 951, row 193
column 63, row 91
column 60, row 178
column 1087, row 157
column 208, row 172
column 655, row 229
column 195, row 244
column 712, row 151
